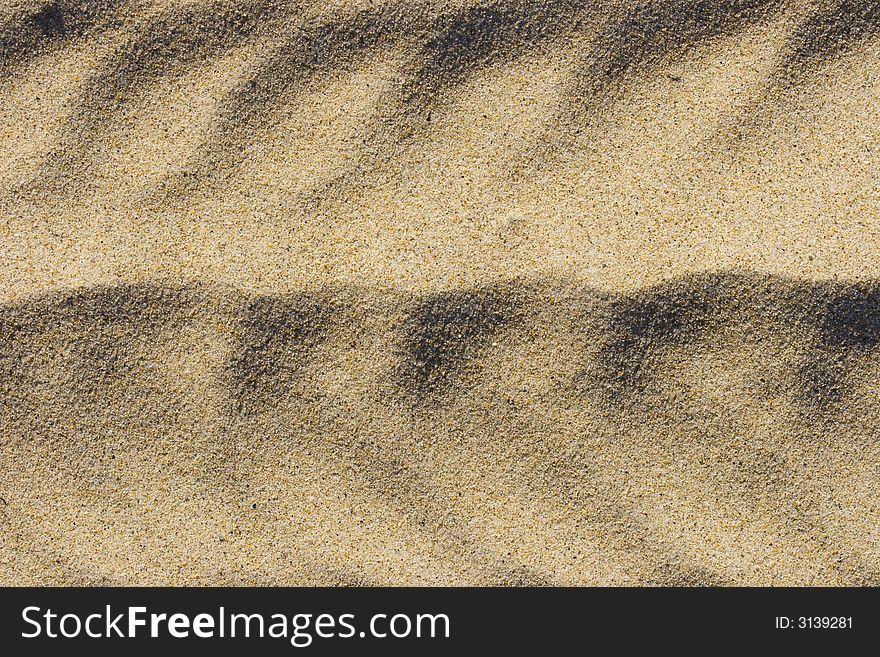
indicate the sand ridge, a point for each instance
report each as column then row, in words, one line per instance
column 272, row 145
column 715, row 429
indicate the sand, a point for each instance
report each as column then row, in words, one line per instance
column 524, row 292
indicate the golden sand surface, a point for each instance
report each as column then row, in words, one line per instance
column 440, row 292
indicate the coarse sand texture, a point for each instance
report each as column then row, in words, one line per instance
column 445, row 292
